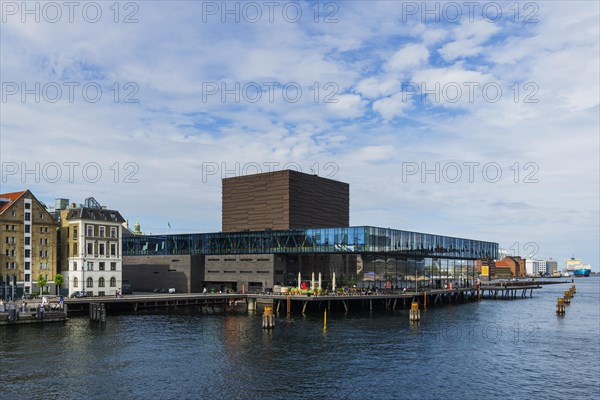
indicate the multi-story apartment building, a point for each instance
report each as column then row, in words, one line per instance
column 90, row 248
column 28, row 243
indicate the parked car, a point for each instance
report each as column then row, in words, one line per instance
column 171, row 290
column 79, row 293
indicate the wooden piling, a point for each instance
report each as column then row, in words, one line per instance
column 268, row 321
column 560, row 306
column 414, row 313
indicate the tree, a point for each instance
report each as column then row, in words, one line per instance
column 42, row 281
column 58, row 280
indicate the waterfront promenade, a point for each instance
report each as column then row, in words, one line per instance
column 384, row 299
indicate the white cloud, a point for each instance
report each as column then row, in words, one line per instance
column 393, row 106
column 410, row 56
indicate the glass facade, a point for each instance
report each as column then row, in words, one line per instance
column 381, row 243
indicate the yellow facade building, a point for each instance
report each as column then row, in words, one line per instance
column 28, row 244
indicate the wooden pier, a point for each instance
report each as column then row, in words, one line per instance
column 299, row 302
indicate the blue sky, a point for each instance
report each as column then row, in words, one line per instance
column 479, row 123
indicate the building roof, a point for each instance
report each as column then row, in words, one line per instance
column 11, row 197
column 94, row 214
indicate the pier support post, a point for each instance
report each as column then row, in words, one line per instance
column 268, row 321
column 560, row 306
column 566, row 297
column 424, row 300
column 414, row 313
column 289, row 305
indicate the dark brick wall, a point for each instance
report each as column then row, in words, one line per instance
column 146, row 273
column 284, row 200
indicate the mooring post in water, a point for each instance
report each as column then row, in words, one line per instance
column 574, row 289
column 414, row 313
column 566, row 297
column 424, row 300
column 560, row 306
column 325, row 320
column 268, row 321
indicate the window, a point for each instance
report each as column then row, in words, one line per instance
column 101, row 293
column 90, row 248
column 113, row 266
column 13, row 240
column 41, row 253
column 113, row 282
column 101, row 230
column 101, row 282
column 41, row 215
column 27, row 265
column 101, row 248
column 89, row 282
column 41, row 240
column 46, row 230
column 14, row 265
column 113, row 232
column 75, row 249
column 27, row 277
column 46, row 242
column 90, row 230
column 101, row 266
column 28, row 206
column 41, row 229
column 75, row 266
column 13, row 213
column 12, row 228
column 75, row 282
column 46, row 253
column 27, row 253
column 90, row 266
column 27, row 216
column 113, row 249
column 27, row 228
column 12, row 253
column 74, row 233
column 27, row 241
column 7, row 227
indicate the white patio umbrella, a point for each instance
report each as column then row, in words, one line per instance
column 312, row 281
column 333, row 282
column 319, row 281
column 299, row 280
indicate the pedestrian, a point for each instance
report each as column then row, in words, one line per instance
column 204, row 290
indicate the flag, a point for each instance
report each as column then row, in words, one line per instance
column 168, row 223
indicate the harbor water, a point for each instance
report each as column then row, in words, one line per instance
column 517, row 349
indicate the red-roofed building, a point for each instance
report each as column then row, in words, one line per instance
column 28, row 244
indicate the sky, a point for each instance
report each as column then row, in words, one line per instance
column 469, row 119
